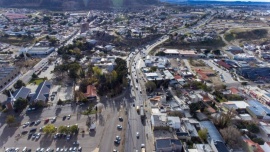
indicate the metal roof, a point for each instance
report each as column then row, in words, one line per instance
column 212, row 130
column 42, row 91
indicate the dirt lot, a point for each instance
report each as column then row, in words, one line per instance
column 205, row 72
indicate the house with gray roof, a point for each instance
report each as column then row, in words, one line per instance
column 42, row 93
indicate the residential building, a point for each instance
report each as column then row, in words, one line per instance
column 174, row 122
column 159, row 121
column 252, row 146
column 91, row 93
column 244, row 57
column 7, row 74
column 239, row 106
column 214, row 138
column 84, row 27
column 168, row 145
column 42, row 93
column 258, row 110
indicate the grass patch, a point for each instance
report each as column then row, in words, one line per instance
column 246, row 34
column 37, row 81
column 90, row 110
column 18, row 41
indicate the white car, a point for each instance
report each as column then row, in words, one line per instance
column 137, row 134
column 26, row 124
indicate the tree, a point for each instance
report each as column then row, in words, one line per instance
column 232, row 136
column 60, row 102
column 253, row 128
column 49, row 129
column 63, row 129
column 74, row 129
column 34, row 76
column 20, row 104
column 97, row 71
column 216, row 52
column 150, row 86
column 153, row 69
column 260, row 141
column 203, row 134
column 224, row 119
column 19, row 84
column 10, row 119
column 161, row 53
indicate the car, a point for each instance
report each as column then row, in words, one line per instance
column 118, row 138
column 137, row 134
column 68, row 117
column 37, row 122
column 48, row 149
column 79, row 149
column 46, row 121
column 76, row 143
column 38, row 136
column 32, row 123
column 142, row 145
column 33, row 130
column 42, row 149
column 117, row 142
column 38, row 149
column 33, row 136
column 74, row 148
column 120, row 119
column 24, row 132
column 29, row 135
column 25, row 149
column 41, row 128
column 70, row 148
column 26, row 124
column 53, row 119
column 57, row 149
column 64, row 118
column 119, row 127
column 68, row 137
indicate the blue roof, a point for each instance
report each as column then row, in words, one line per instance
column 42, row 91
column 257, row 108
column 212, row 131
column 221, row 147
column 21, row 93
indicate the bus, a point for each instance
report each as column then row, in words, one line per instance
column 142, row 114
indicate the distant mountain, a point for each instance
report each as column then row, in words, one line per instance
column 75, row 4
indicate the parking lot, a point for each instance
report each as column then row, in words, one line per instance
column 105, row 131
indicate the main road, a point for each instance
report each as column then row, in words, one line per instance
column 135, row 124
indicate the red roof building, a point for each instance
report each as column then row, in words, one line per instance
column 91, row 92
column 224, row 64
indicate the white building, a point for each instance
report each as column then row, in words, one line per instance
column 243, row 57
column 38, row 50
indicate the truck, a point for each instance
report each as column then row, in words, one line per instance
column 142, row 114
column 143, row 150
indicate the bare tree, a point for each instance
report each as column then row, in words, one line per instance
column 232, row 136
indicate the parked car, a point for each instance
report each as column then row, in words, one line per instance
column 64, row 118
column 53, row 119
column 26, row 124
column 38, row 136
column 37, row 122
column 68, row 117
column 119, row 127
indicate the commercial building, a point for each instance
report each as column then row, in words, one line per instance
column 7, row 74
column 42, row 93
column 254, row 73
column 38, row 50
column 243, row 57
column 19, row 93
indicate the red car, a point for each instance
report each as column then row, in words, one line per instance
column 46, row 121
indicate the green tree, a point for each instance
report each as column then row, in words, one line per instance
column 73, row 129
column 34, row 76
column 161, row 53
column 19, row 84
column 49, row 129
column 150, row 86
column 260, row 141
column 153, row 69
column 60, row 102
column 63, row 129
column 97, row 71
column 203, row 134
column 253, row 128
column 20, row 104
column 224, row 119
column 10, row 119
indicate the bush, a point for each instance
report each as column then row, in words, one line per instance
column 260, row 141
column 253, row 128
